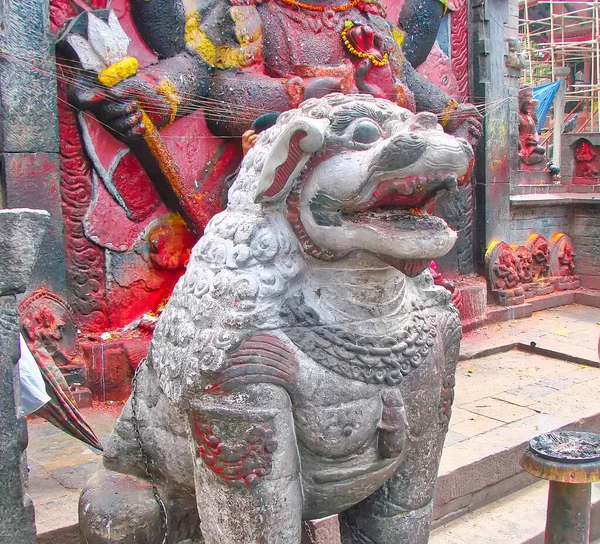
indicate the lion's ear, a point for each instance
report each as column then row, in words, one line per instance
column 287, row 156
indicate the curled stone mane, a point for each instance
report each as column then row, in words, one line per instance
column 242, row 269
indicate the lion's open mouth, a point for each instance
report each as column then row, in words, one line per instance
column 398, row 204
column 397, row 210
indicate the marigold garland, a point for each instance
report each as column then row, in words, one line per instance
column 311, row 7
column 361, row 54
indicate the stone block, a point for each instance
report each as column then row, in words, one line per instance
column 83, row 397
column 589, row 297
column 497, row 313
column 552, row 300
column 322, row 531
column 28, row 90
column 34, row 179
column 21, row 235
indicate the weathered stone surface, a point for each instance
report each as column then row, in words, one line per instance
column 33, row 179
column 21, row 234
column 28, row 87
column 314, row 279
column 16, row 518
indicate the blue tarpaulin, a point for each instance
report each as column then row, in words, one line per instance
column 544, row 94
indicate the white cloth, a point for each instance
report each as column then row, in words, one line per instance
column 33, row 389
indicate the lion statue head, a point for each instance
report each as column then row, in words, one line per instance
column 340, row 175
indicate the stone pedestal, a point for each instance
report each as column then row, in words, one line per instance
column 21, row 233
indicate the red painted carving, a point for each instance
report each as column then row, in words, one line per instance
column 459, row 46
column 438, row 69
column 244, row 463
column 503, row 276
column 49, row 323
column 533, row 269
column 562, row 262
column 587, row 163
column 124, row 249
column 524, row 264
column 540, row 254
column 84, row 259
column 505, row 270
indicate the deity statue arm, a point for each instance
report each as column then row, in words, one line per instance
column 420, row 20
column 247, row 468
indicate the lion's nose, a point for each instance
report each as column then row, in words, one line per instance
column 425, row 121
column 402, row 150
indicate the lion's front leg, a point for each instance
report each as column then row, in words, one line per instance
column 247, row 472
column 400, row 512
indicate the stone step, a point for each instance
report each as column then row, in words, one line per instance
column 519, row 518
column 502, row 401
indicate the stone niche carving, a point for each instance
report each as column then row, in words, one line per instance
column 540, row 263
column 502, row 272
column 48, row 322
column 532, row 269
column 163, row 90
column 315, row 279
column 562, row 262
column 587, row 163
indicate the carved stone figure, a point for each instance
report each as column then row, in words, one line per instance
column 502, row 272
column 515, row 58
column 48, row 322
column 530, row 150
column 562, row 262
column 540, row 263
column 304, row 365
column 586, row 162
column 524, row 262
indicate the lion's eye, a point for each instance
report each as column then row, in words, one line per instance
column 366, row 132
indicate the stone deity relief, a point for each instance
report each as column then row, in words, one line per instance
column 502, row 271
column 587, row 163
column 535, row 268
column 540, row 256
column 158, row 110
column 48, row 322
column 562, row 262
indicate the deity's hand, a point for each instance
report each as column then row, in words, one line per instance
column 320, row 86
column 120, row 107
column 248, row 141
column 465, row 122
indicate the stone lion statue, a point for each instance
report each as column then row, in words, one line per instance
column 304, row 365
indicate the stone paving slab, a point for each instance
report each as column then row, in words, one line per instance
column 571, row 330
column 59, row 466
column 501, row 402
column 517, row 519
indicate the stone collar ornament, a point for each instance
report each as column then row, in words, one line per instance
column 362, row 42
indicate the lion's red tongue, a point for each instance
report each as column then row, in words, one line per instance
column 408, row 267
